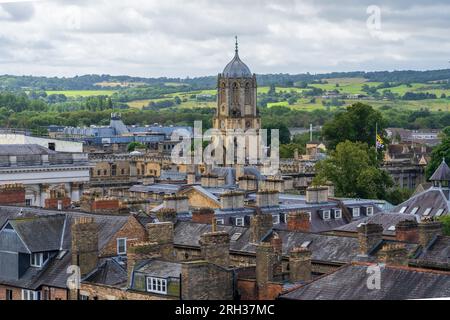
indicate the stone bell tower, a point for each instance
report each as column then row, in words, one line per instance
column 236, row 97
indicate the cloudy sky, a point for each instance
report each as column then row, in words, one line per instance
column 182, row 38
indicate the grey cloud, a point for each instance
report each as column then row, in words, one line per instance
column 181, row 38
column 18, row 11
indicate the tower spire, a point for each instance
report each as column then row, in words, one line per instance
column 236, row 47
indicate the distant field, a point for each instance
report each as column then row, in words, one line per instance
column 82, row 93
column 345, row 86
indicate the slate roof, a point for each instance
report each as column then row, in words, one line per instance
column 236, row 68
column 159, row 268
column 442, row 173
column 437, row 254
column 40, row 233
column 187, row 233
column 109, row 273
column 156, row 188
column 397, row 283
column 434, row 198
column 326, row 248
column 23, row 150
column 172, row 175
column 33, row 232
column 386, row 220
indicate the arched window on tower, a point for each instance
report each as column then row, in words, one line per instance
column 235, row 94
column 222, row 93
column 248, row 97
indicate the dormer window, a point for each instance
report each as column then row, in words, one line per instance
column 326, row 215
column 355, row 212
column 38, row 259
column 369, row 211
column 157, row 285
column 276, row 219
column 220, row 221
column 338, row 214
column 240, row 222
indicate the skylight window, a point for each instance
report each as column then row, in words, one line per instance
column 414, row 210
column 306, row 244
column 391, row 228
column 236, row 236
column 403, row 209
column 427, row 211
column 439, row 212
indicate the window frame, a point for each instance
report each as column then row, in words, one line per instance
column 338, row 216
column 371, row 211
column 41, row 262
column 239, row 224
column 220, row 221
column 276, row 219
column 30, row 295
column 326, row 214
column 358, row 210
column 156, row 285
column 118, row 240
column 9, row 294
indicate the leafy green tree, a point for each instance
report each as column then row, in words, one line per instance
column 284, row 133
column 446, row 224
column 442, row 151
column 356, row 124
column 352, row 168
column 135, row 145
column 398, row 195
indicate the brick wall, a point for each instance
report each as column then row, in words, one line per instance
column 133, row 230
column 101, row 292
column 12, row 195
column 53, row 203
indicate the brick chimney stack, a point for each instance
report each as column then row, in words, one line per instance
column 394, row 254
column 138, row 252
column 265, row 260
column 428, row 230
column 300, row 267
column 277, row 244
column 369, row 235
column 232, row 200
column 215, row 247
column 260, row 225
column 166, row 215
column 85, row 244
column 407, row 231
column 161, row 233
column 203, row 215
column 298, row 221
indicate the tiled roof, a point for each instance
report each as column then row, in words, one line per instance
column 397, row 283
column 23, row 150
column 442, row 173
column 159, row 268
column 386, row 220
column 433, row 198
